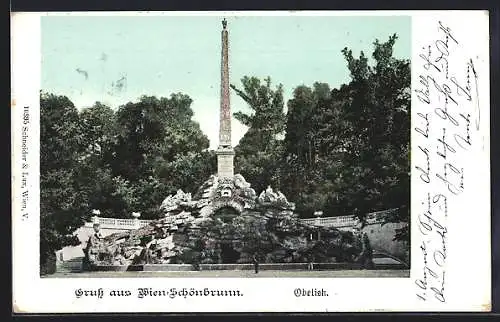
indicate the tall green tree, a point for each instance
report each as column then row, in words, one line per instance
column 258, row 154
column 305, row 112
column 155, row 130
column 117, row 162
column 346, row 150
column 99, row 128
column 159, row 149
column 63, row 202
column 304, row 169
column 380, row 109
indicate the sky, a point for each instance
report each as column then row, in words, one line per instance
column 117, row 59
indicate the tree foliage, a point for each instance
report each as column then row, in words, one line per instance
column 63, row 202
column 115, row 161
column 342, row 150
column 345, row 150
column 258, row 153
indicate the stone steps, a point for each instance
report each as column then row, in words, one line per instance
column 73, row 265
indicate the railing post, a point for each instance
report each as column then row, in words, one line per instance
column 95, row 217
column 136, row 216
column 318, row 214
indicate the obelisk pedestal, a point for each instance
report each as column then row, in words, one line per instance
column 225, row 152
column 225, row 163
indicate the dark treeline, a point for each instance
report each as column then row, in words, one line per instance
column 343, row 151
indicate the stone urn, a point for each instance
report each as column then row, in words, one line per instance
column 136, row 216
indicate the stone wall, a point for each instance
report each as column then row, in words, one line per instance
column 381, row 240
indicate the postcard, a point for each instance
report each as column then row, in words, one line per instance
column 250, row 161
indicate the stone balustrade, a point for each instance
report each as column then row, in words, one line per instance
column 118, row 223
column 335, row 222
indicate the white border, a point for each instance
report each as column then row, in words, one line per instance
column 468, row 262
column 468, row 283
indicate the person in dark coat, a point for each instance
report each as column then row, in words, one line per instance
column 255, row 259
column 310, row 264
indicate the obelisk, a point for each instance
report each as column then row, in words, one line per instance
column 225, row 152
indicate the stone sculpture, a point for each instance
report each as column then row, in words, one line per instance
column 178, row 201
column 269, row 198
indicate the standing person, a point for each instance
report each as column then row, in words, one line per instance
column 93, row 247
column 367, row 253
column 197, row 261
column 255, row 262
column 310, row 265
